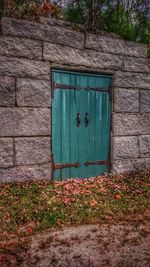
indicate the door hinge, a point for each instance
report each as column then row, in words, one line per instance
column 66, row 87
column 66, row 165
column 99, row 162
column 52, row 89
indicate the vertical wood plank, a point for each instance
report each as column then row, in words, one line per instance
column 82, row 134
column 90, row 155
column 74, row 133
column 56, row 126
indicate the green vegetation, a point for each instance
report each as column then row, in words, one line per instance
column 34, row 206
column 1, row 8
column 130, row 19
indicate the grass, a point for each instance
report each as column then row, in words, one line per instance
column 30, row 207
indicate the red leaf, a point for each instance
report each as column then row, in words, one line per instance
column 117, row 196
column 30, row 230
column 2, row 256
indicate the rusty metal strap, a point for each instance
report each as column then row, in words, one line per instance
column 98, row 89
column 99, row 162
column 66, row 165
column 77, row 165
column 65, row 86
column 71, row 87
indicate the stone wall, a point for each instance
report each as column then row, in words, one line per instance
column 28, row 52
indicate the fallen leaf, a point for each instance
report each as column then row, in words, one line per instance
column 30, row 230
column 117, row 196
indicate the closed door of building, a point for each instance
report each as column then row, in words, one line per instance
column 81, row 111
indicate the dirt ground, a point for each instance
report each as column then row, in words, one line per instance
column 105, row 245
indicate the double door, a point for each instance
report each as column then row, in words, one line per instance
column 80, row 124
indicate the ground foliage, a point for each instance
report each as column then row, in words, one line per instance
column 26, row 209
column 33, row 206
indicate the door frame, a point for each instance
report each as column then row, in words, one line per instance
column 88, row 71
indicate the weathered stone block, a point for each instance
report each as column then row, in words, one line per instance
column 131, row 124
column 79, row 27
column 127, row 79
column 129, row 165
column 144, row 142
column 6, row 152
column 33, row 150
column 25, row 173
column 24, row 68
column 55, row 22
column 65, row 55
column 145, row 100
column 19, row 47
column 35, row 30
column 49, row 21
column 33, row 93
column 125, row 147
column 126, row 100
column 115, row 46
column 24, row 121
column 7, row 91
column 137, row 64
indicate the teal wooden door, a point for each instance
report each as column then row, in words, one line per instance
column 81, row 110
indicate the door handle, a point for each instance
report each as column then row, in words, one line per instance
column 86, row 119
column 78, row 119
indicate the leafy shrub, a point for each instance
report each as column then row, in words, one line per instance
column 130, row 19
column 1, row 8
column 28, row 9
